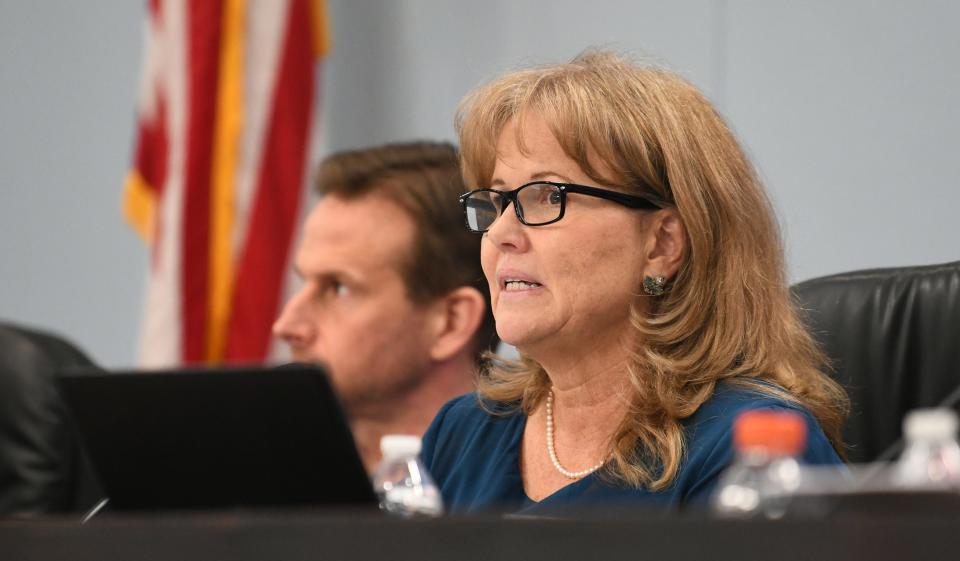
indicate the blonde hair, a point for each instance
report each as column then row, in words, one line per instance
column 727, row 315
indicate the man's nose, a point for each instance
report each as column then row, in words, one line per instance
column 293, row 325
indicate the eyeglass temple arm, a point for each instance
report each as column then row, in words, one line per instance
column 631, row 201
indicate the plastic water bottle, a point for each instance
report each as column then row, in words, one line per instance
column 931, row 458
column 402, row 483
column 765, row 473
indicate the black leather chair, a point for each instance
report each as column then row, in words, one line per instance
column 43, row 469
column 894, row 338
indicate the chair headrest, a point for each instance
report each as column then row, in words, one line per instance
column 894, row 338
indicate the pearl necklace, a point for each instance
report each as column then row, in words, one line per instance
column 552, row 451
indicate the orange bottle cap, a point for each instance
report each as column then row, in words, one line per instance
column 777, row 432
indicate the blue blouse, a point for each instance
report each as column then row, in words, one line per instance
column 474, row 457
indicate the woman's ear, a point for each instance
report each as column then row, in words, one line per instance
column 455, row 320
column 667, row 244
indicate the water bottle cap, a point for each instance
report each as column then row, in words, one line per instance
column 395, row 445
column 777, row 432
column 922, row 424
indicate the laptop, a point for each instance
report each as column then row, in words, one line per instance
column 217, row 439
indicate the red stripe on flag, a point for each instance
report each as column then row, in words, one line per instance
column 152, row 143
column 263, row 263
column 203, row 56
column 151, row 161
column 152, row 148
column 152, row 155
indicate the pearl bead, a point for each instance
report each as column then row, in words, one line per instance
column 551, row 451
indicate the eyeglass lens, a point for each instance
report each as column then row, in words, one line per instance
column 538, row 203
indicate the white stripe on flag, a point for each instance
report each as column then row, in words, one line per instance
column 266, row 28
column 160, row 344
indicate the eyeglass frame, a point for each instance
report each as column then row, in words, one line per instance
column 630, row 201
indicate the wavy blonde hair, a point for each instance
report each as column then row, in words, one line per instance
column 728, row 314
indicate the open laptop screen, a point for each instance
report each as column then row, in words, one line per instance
column 213, row 439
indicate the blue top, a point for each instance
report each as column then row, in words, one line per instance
column 474, row 457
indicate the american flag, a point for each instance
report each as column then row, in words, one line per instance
column 225, row 137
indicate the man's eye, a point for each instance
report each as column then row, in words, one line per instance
column 333, row 289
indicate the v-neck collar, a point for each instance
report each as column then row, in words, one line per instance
column 513, row 471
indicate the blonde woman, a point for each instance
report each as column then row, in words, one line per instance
column 634, row 261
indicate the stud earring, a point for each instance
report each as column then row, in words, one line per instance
column 654, row 286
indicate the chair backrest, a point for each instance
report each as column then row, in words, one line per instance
column 893, row 336
column 43, row 469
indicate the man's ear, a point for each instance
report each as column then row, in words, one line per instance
column 455, row 319
column 667, row 244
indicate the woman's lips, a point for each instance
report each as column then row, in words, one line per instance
column 519, row 285
column 517, row 281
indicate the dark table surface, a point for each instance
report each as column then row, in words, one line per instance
column 249, row 535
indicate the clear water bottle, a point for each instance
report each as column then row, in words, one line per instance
column 931, row 458
column 402, row 483
column 765, row 473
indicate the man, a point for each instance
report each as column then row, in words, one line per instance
column 393, row 300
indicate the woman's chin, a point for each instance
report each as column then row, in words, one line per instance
column 517, row 336
column 528, row 340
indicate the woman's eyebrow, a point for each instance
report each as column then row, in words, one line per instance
column 534, row 177
column 548, row 173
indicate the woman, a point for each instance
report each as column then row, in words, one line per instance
column 634, row 262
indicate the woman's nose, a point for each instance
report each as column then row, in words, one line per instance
column 506, row 232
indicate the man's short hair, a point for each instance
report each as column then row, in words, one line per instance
column 422, row 178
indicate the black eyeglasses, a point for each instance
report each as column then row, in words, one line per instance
column 538, row 203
